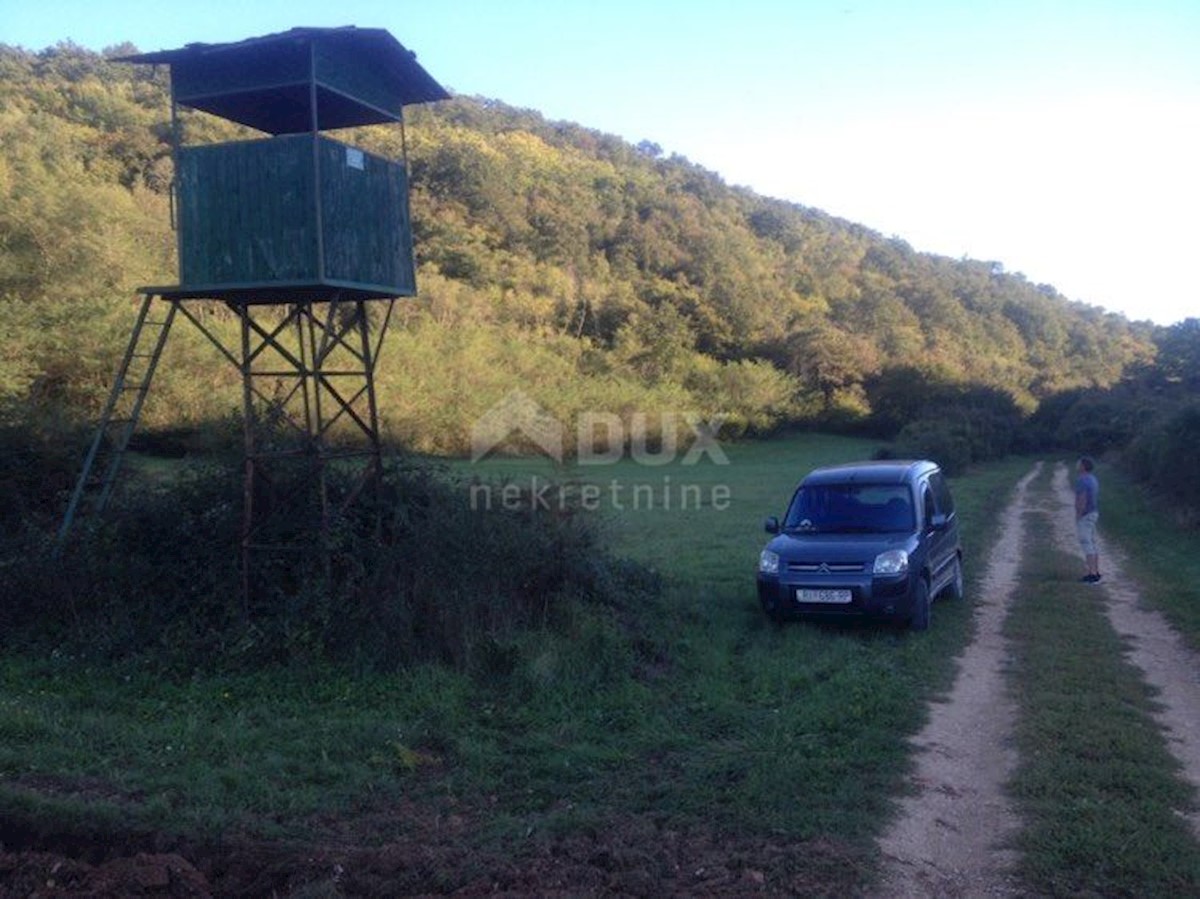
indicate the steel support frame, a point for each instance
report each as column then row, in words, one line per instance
column 309, row 410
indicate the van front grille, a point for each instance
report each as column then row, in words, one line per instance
column 826, row 567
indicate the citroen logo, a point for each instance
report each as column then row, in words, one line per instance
column 823, row 568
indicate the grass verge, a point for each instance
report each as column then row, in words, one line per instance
column 1096, row 787
column 1160, row 553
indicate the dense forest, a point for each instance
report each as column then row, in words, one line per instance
column 591, row 273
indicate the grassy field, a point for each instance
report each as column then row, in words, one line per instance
column 713, row 720
column 745, row 701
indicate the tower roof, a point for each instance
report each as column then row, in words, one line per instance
column 357, row 76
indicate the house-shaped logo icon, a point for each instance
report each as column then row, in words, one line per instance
column 517, row 418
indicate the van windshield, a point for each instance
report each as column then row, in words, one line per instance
column 851, row 509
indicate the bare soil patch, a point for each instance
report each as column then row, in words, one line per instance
column 632, row 858
column 949, row 838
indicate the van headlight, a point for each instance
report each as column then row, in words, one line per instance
column 768, row 562
column 894, row 561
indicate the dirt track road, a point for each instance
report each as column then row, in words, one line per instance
column 1167, row 665
column 949, row 839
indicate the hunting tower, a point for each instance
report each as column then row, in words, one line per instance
column 302, row 238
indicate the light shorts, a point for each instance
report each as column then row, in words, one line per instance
column 1085, row 527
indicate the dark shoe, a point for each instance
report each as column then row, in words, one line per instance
column 1088, row 579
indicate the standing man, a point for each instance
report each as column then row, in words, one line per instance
column 1087, row 513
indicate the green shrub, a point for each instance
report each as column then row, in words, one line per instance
column 38, row 468
column 977, row 425
column 1165, row 457
column 1096, row 421
column 944, row 441
column 442, row 580
column 159, row 578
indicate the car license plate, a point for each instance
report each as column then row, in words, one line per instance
column 826, row 596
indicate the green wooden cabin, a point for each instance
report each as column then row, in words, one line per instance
column 295, row 213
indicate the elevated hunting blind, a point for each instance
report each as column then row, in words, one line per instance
column 306, row 239
column 299, row 211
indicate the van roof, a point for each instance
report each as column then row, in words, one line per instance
column 887, row 471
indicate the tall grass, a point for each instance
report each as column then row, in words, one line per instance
column 443, row 582
column 1160, row 547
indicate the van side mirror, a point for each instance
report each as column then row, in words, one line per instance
column 771, row 525
column 939, row 522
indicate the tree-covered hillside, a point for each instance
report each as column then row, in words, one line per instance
column 590, row 273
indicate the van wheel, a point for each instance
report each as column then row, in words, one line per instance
column 922, row 606
column 955, row 589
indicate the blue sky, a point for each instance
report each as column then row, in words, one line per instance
column 1059, row 138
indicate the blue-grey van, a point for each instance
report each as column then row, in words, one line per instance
column 864, row 540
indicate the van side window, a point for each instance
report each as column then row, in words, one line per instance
column 927, row 501
column 941, row 493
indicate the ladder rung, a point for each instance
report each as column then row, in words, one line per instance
column 120, row 430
